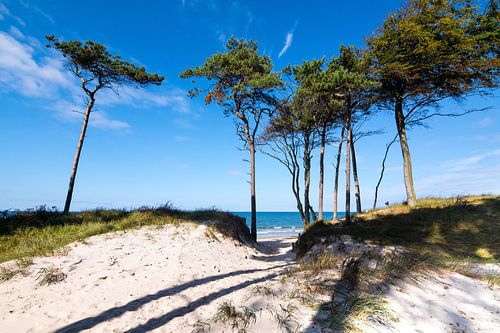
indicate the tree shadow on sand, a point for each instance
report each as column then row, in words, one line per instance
column 90, row 322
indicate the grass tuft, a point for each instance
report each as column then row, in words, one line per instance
column 285, row 317
column 260, row 290
column 48, row 276
column 20, row 267
column 238, row 319
column 359, row 307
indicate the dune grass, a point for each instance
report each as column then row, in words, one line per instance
column 41, row 231
column 461, row 228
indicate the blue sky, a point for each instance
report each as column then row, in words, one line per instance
column 150, row 146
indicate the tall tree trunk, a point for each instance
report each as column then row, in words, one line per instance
column 253, row 201
column 348, row 172
column 337, row 170
column 355, row 175
column 321, row 172
column 69, row 195
column 307, row 179
column 405, row 150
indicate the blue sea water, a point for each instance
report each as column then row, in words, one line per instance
column 271, row 224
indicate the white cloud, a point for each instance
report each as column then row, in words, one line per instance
column 100, row 119
column 36, row 73
column 288, row 40
column 288, row 43
column 20, row 71
column 173, row 98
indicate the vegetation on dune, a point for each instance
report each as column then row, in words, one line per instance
column 41, row 231
column 455, row 228
column 346, row 262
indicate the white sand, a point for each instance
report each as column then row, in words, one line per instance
column 444, row 303
column 167, row 279
column 149, row 279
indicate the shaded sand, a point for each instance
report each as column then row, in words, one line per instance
column 163, row 279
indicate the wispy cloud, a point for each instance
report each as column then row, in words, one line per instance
column 37, row 9
column 474, row 174
column 37, row 73
column 485, row 122
column 234, row 173
column 5, row 12
column 470, row 161
column 288, row 39
column 19, row 71
column 222, row 38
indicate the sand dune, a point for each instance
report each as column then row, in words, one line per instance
column 174, row 279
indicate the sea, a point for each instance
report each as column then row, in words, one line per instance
column 272, row 224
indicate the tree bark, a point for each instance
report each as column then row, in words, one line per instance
column 307, row 179
column 71, row 185
column 337, row 170
column 253, row 202
column 348, row 172
column 357, row 189
column 321, row 172
column 405, row 150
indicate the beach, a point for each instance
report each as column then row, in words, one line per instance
column 163, row 279
column 184, row 278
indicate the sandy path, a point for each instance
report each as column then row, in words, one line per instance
column 161, row 280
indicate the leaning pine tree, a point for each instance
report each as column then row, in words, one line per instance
column 429, row 51
column 97, row 69
column 242, row 83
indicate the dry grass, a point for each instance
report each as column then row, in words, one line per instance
column 238, row 319
column 285, row 317
column 260, row 290
column 20, row 267
column 41, row 232
column 51, row 275
column 462, row 228
column 439, row 233
column 359, row 307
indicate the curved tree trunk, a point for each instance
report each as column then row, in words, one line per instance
column 337, row 170
column 72, row 178
column 253, row 201
column 387, row 147
column 405, row 150
column 357, row 190
column 348, row 173
column 321, row 173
